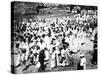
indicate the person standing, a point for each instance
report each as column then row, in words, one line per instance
column 41, row 60
column 82, row 63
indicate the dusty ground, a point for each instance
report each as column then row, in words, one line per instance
column 32, row 68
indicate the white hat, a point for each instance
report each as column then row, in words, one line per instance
column 81, row 55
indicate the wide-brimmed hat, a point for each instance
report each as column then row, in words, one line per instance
column 82, row 55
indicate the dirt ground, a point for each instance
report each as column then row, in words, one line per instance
column 32, row 68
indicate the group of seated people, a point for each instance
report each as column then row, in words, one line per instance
column 50, row 42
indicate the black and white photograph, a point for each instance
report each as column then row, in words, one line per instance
column 50, row 37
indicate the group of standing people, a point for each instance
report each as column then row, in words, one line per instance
column 50, row 42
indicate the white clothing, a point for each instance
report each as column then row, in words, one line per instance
column 83, row 61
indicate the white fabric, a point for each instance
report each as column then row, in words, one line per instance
column 83, row 61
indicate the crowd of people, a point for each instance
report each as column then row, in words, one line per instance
column 51, row 42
